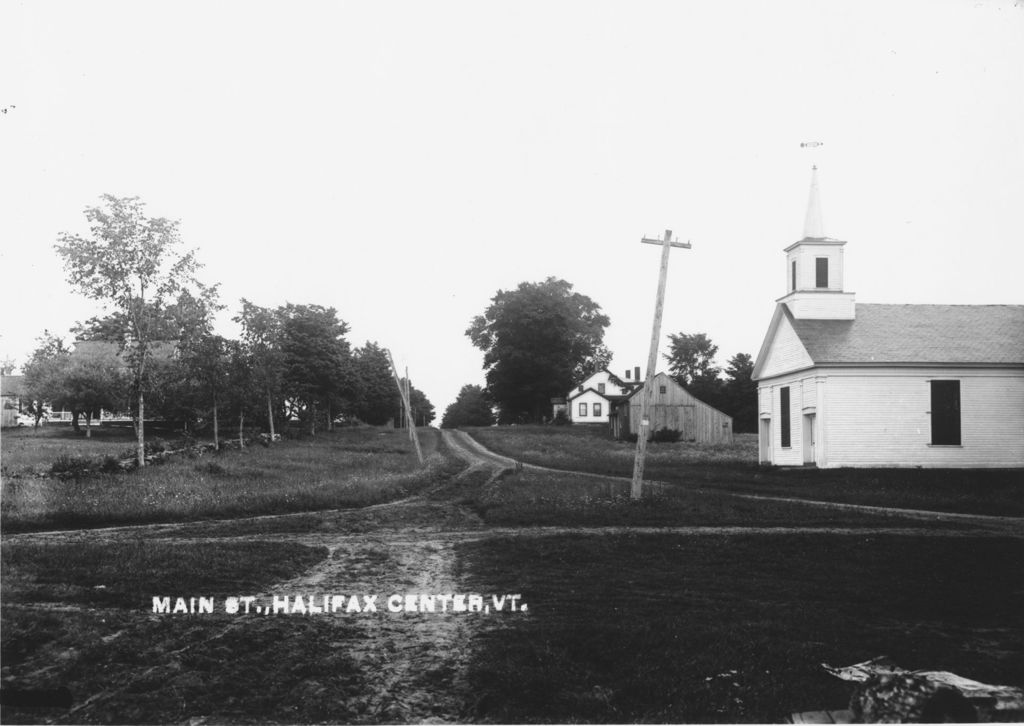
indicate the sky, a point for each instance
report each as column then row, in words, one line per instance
column 403, row 161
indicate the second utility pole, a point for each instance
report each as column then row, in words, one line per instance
column 643, row 429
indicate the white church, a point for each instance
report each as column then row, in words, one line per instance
column 848, row 384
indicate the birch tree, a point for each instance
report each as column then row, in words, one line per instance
column 130, row 261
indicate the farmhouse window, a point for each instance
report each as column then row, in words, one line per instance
column 662, row 389
column 945, row 413
column 600, row 388
column 784, row 416
column 792, row 285
column 821, row 272
column 583, row 409
column 597, row 410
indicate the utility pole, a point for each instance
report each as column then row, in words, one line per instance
column 643, row 430
column 408, row 411
column 408, row 399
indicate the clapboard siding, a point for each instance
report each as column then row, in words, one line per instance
column 883, row 419
column 786, row 353
column 589, row 398
column 678, row 409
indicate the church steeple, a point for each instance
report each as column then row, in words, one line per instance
column 813, row 226
column 814, row 269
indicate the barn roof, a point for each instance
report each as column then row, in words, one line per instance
column 91, row 349
column 925, row 334
column 12, row 385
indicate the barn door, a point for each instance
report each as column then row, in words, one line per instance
column 689, row 427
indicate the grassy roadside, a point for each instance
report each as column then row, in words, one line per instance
column 732, row 629
column 733, row 468
column 344, row 468
column 540, row 498
column 128, row 574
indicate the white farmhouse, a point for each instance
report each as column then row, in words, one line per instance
column 842, row 383
column 594, row 399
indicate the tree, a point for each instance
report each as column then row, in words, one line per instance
column 261, row 338
column 377, row 398
column 133, row 263
column 243, row 389
column 472, row 407
column 741, row 393
column 422, row 408
column 537, row 340
column 317, row 369
column 93, row 384
column 691, row 358
column 205, row 361
column 45, row 375
column 691, row 362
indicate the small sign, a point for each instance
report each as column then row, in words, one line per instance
column 645, row 422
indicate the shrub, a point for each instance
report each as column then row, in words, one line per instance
column 71, row 466
column 111, row 465
column 156, row 446
column 561, row 418
column 666, row 436
column 661, row 436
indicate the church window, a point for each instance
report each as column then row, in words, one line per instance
column 821, row 272
column 945, row 413
column 784, row 416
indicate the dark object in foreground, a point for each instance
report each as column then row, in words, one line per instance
column 909, row 698
column 889, row 694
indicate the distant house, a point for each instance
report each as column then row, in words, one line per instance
column 672, row 407
column 847, row 384
column 592, row 401
column 12, row 391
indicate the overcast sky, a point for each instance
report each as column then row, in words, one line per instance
column 403, row 161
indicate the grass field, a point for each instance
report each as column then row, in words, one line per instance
column 716, row 629
column 28, row 450
column 345, row 468
column 733, row 467
column 626, row 623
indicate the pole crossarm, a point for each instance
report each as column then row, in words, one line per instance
column 671, row 243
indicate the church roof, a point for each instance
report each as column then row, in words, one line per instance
column 922, row 334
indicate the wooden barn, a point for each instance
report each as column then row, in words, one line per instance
column 673, row 407
column 848, row 384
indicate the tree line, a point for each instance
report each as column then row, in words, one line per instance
column 541, row 339
column 155, row 354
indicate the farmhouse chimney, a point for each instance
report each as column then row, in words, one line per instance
column 636, row 373
column 628, row 373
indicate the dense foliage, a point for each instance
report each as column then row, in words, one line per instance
column 537, row 341
column 154, row 354
column 472, row 407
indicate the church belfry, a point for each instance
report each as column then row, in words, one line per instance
column 814, row 269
